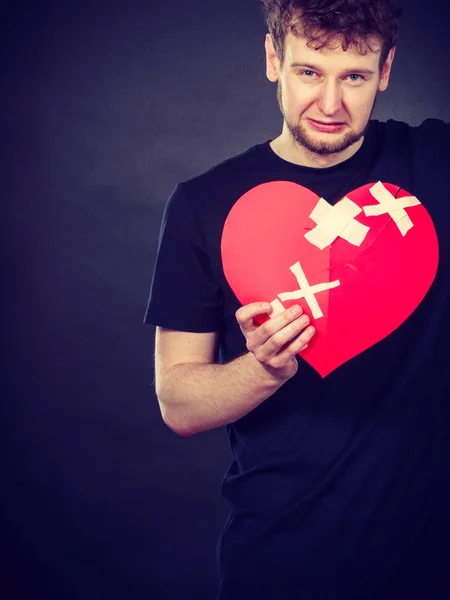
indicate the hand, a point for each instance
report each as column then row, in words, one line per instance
column 276, row 342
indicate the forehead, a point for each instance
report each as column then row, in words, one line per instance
column 332, row 54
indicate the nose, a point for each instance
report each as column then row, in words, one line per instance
column 330, row 98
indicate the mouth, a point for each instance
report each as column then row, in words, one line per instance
column 326, row 126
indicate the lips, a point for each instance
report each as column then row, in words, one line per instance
column 327, row 123
column 327, row 127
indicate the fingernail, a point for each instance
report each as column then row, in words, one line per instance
column 296, row 310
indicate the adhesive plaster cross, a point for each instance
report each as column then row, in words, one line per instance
column 305, row 291
column 336, row 221
column 395, row 207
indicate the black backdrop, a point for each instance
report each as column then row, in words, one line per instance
column 105, row 105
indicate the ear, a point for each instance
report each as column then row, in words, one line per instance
column 272, row 62
column 386, row 71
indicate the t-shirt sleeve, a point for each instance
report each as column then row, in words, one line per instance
column 434, row 135
column 431, row 156
column 183, row 294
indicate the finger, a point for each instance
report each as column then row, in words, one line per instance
column 277, row 324
column 246, row 314
column 298, row 344
column 289, row 351
column 278, row 341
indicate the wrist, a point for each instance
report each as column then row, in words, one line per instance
column 271, row 377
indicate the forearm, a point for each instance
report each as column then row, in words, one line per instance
column 196, row 397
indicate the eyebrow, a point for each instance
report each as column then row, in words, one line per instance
column 347, row 72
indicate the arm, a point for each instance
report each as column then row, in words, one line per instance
column 196, row 395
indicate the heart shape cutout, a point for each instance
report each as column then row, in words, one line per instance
column 367, row 288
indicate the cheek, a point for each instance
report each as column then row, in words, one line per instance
column 362, row 107
column 363, row 100
column 295, row 96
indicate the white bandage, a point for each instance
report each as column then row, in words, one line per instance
column 395, row 207
column 307, row 291
column 277, row 307
column 336, row 221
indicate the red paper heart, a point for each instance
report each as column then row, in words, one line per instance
column 381, row 282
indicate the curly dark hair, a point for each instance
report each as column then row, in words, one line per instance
column 321, row 22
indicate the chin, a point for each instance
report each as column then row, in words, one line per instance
column 320, row 142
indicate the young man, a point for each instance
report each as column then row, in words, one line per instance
column 317, row 267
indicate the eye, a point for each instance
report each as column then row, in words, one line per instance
column 360, row 77
column 307, row 72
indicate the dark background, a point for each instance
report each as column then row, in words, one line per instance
column 105, row 106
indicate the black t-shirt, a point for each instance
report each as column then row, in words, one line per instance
column 339, row 484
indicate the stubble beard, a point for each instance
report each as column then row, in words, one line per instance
column 301, row 136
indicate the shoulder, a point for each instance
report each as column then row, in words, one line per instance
column 231, row 169
column 430, row 132
column 432, row 138
column 208, row 197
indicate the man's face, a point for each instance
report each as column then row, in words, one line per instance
column 326, row 86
